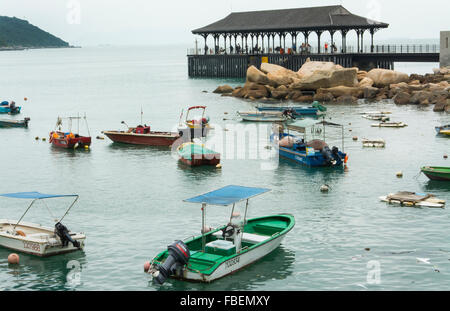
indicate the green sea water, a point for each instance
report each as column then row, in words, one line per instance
column 131, row 204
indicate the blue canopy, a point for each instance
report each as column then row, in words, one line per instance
column 227, row 195
column 35, row 195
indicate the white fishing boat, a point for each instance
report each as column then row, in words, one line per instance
column 413, row 199
column 219, row 252
column 266, row 116
column 373, row 143
column 390, row 124
column 376, row 117
column 36, row 239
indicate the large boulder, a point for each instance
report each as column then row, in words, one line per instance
column 442, row 105
column 280, row 92
column 268, row 68
column 251, row 90
column 366, row 82
column 323, row 97
column 370, row 92
column 338, row 91
column 386, row 77
column 327, row 79
column 224, row 89
column 361, row 75
column 281, row 77
column 256, row 76
column 346, row 99
column 309, row 67
column 402, row 98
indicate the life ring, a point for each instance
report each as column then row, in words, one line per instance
column 21, row 233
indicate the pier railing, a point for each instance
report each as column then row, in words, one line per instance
column 367, row 49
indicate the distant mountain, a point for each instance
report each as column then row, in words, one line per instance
column 19, row 33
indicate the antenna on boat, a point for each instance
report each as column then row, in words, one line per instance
column 142, row 113
column 87, row 125
column 181, row 116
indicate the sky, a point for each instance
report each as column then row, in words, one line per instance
column 147, row 22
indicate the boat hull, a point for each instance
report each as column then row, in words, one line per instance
column 315, row 159
column 297, row 110
column 7, row 109
column 152, row 139
column 14, row 123
column 69, row 143
column 36, row 246
column 437, row 173
column 234, row 264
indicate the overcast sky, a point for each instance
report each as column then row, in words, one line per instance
column 147, row 22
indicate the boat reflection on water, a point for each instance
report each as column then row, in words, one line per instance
column 35, row 273
column 278, row 265
column 437, row 186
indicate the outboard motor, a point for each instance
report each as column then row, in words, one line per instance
column 179, row 255
column 327, row 154
column 335, row 152
column 63, row 233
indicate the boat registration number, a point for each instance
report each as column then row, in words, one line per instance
column 32, row 245
column 232, row 262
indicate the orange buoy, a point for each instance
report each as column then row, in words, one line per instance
column 147, row 266
column 25, row 99
column 13, row 259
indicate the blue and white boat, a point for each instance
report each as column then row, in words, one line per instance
column 314, row 110
column 293, row 145
column 11, row 108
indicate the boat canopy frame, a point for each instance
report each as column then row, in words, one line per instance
column 312, row 124
column 37, row 196
column 225, row 196
column 78, row 118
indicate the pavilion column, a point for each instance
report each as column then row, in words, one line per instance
column 344, row 41
column 273, row 43
column 205, row 36
column 332, row 41
column 319, row 34
column 225, row 36
column 358, row 34
column 262, row 43
column 372, row 32
column 284, row 42
column 242, row 39
column 362, row 40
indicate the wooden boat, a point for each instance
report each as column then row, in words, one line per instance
column 443, row 130
column 314, row 110
column 376, row 117
column 413, row 199
column 374, row 143
column 142, row 135
column 194, row 154
column 69, row 140
column 390, row 124
column 14, row 123
column 219, row 252
column 313, row 153
column 437, row 173
column 10, row 108
column 266, row 116
column 35, row 239
column 194, row 127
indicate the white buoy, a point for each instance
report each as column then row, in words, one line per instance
column 325, row 188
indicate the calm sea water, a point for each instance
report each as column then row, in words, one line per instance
column 131, row 205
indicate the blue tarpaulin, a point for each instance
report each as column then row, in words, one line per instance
column 227, row 195
column 35, row 195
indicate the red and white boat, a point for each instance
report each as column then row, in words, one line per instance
column 69, row 140
column 142, row 135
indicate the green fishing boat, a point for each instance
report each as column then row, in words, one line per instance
column 437, row 173
column 219, row 252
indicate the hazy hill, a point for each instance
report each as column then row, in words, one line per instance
column 18, row 33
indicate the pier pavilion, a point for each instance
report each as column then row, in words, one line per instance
column 248, row 38
column 260, row 28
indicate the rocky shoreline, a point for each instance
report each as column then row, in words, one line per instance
column 327, row 82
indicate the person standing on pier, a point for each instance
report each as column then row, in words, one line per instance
column 326, row 47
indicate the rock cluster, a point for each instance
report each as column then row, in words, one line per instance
column 327, row 82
